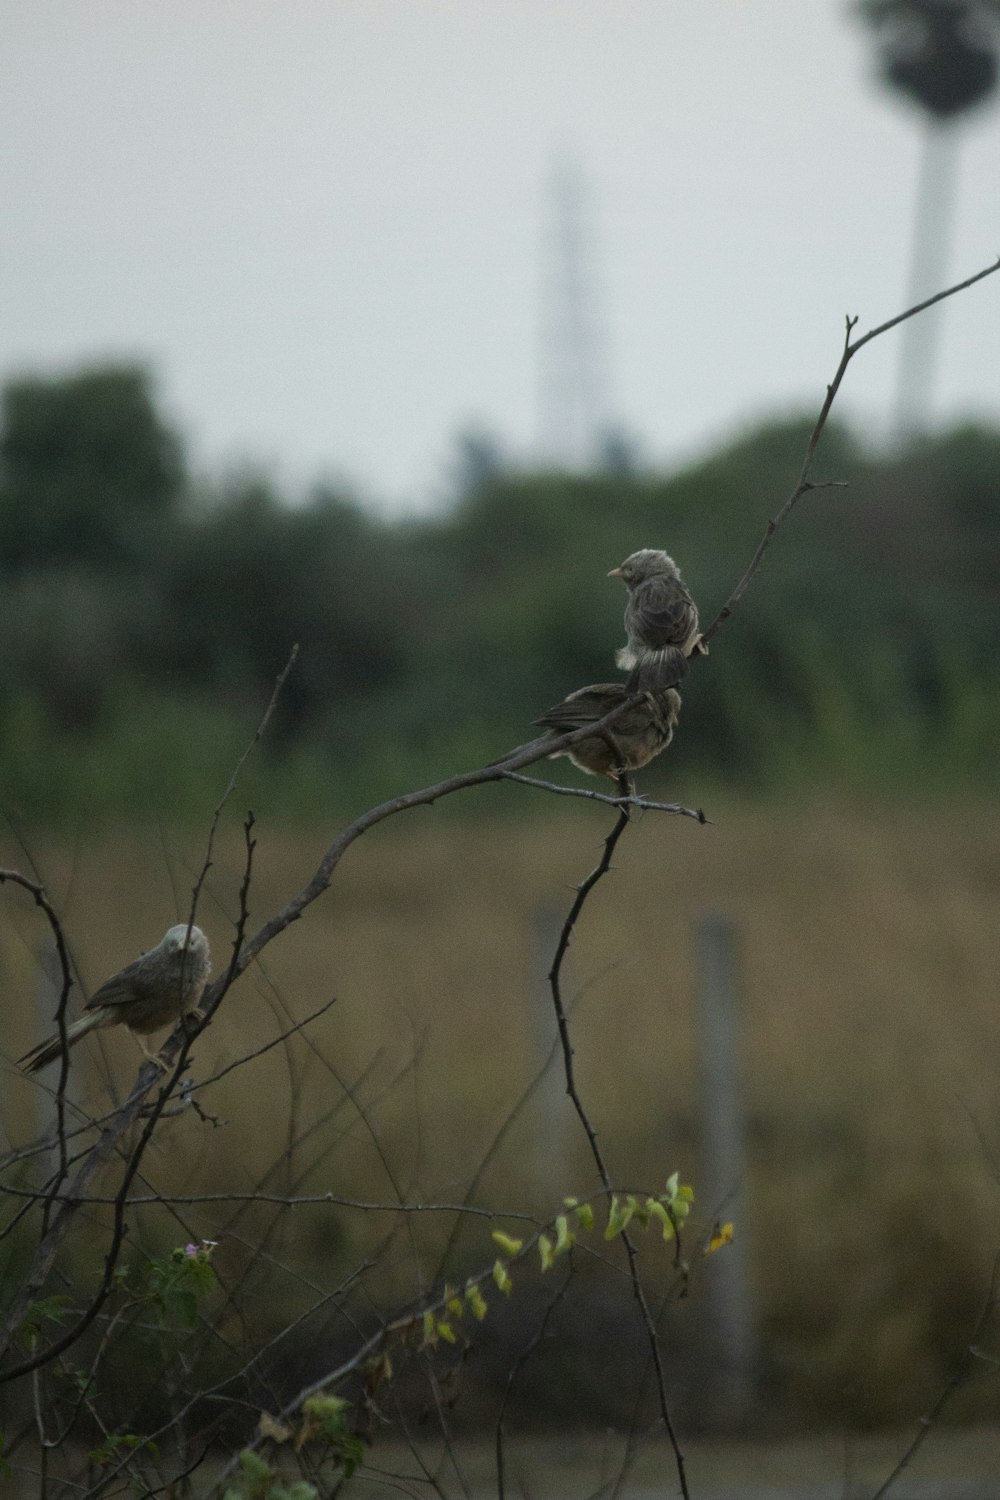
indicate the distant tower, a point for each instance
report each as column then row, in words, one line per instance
column 573, row 416
column 942, row 56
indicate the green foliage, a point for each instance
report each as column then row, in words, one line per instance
column 117, row 1446
column 54, row 1309
column 147, row 621
column 258, row 1481
column 175, row 1284
column 669, row 1210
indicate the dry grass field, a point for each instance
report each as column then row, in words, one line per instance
column 870, row 1044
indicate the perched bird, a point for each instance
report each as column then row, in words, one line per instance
column 644, row 728
column 661, row 621
column 153, row 991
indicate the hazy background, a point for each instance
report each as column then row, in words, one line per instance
column 277, row 304
column 326, row 225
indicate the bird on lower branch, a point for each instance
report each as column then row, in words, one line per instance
column 152, row 992
column 639, row 733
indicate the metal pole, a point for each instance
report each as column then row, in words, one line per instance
column 730, row 1338
column 934, row 218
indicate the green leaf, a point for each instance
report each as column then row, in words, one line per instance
column 659, row 1211
column 508, row 1243
column 501, row 1277
column 477, row 1302
column 619, row 1215
column 253, row 1466
column 584, row 1216
column 545, row 1252
column 564, row 1239
column 53, row 1309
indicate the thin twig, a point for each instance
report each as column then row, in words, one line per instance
column 518, row 1366
column 562, row 947
column 961, row 1374
column 805, row 483
column 41, row 900
column 641, row 803
column 206, row 864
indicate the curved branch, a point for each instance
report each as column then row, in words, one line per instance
column 805, row 483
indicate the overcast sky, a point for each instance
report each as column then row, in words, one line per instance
column 323, row 222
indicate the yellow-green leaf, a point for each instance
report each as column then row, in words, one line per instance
column 584, row 1216
column 477, row 1302
column 501, row 1278
column 564, row 1239
column 270, row 1427
column 507, row 1242
column 456, row 1306
column 545, row 1252
column 446, row 1331
column 619, row 1215
column 661, row 1213
column 430, row 1328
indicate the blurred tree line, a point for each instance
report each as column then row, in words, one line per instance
column 148, row 615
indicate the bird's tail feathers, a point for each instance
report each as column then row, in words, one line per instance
column 655, row 671
column 47, row 1051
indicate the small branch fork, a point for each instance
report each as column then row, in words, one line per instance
column 805, row 483
column 562, row 947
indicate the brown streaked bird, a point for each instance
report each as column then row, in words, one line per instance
column 153, row 991
column 641, row 731
column 661, row 621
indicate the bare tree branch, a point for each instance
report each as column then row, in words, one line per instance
column 805, row 483
column 562, row 947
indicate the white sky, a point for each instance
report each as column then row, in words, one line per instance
column 321, row 221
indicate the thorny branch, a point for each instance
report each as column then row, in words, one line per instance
column 555, row 973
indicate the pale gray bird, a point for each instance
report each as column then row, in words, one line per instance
column 153, row 991
column 644, row 728
column 661, row 621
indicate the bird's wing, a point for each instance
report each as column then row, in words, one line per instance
column 585, row 706
column 135, row 982
column 662, row 613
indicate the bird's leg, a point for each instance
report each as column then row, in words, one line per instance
column 698, row 647
column 617, row 767
column 153, row 1057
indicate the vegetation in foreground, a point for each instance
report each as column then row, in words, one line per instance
column 869, row 949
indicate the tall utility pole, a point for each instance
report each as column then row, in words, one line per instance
column 941, row 55
column 573, row 388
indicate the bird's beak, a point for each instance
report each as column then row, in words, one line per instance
column 614, row 572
